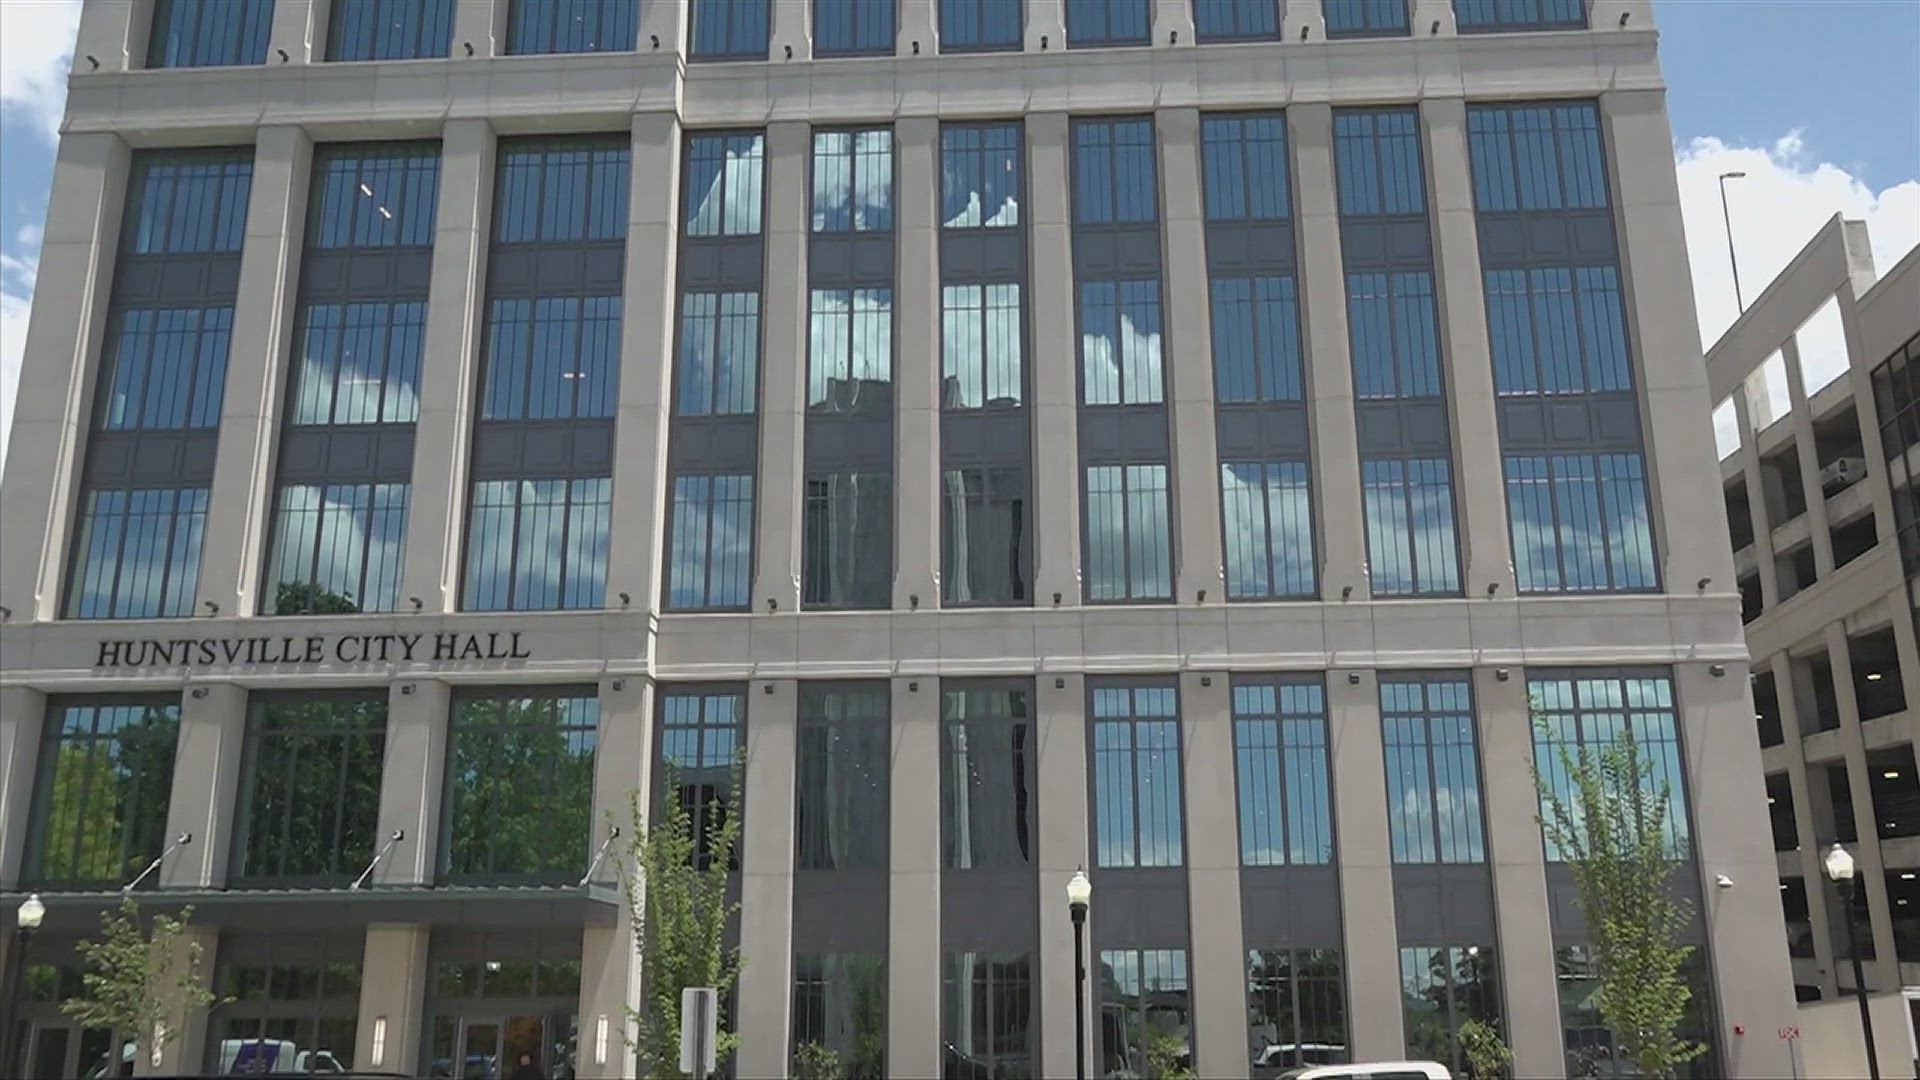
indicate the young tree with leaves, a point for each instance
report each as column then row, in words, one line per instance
column 136, row 983
column 1610, row 826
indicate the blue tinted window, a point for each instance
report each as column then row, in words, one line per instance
column 853, row 180
column 1136, row 776
column 1365, row 18
column 852, row 26
column 561, row 190
column 702, row 737
column 167, row 369
column 1129, row 546
column 980, row 24
column 1146, row 1009
column 724, row 184
column 193, row 203
column 1268, row 512
column 1579, row 522
column 1411, row 548
column 208, row 33
column 358, row 363
column 1245, row 162
column 551, row 357
column 1222, row 20
column 389, row 29
column 1557, row 330
column 538, row 545
column 1537, row 157
column 730, row 29
column 840, row 783
column 719, row 353
column 138, row 556
column 1377, row 156
column 572, row 26
column 100, row 806
column 373, row 197
column 1280, row 760
column 846, row 544
column 1107, row 22
column 1585, row 713
column 1441, row 988
column 980, row 350
column 980, row 176
column 710, row 552
column 850, row 351
column 1256, row 339
column 337, row 548
column 1113, row 170
column 1433, row 771
column 1120, row 338
column 1396, row 344
column 1481, row 16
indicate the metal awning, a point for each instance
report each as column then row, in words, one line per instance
column 343, row 908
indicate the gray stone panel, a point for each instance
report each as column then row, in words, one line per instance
column 1290, row 906
column 1413, row 427
column 849, row 442
column 1444, row 904
column 542, row 448
column 535, row 270
column 1386, row 243
column 714, row 443
column 987, row 437
column 840, row 911
column 1123, row 433
column 1255, row 247
column 177, row 458
column 989, row 910
column 185, row 280
column 360, row 453
column 1570, row 424
column 974, row 255
column 1552, row 238
column 1116, row 250
column 365, row 275
column 713, row 264
column 1249, row 430
column 1139, row 908
column 851, row 260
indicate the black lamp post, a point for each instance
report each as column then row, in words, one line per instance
column 1839, row 866
column 26, row 921
column 1079, row 894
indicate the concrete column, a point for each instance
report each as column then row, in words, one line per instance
column 1217, row 970
column 1812, row 818
column 792, row 29
column 1488, row 555
column 1884, row 972
column 23, row 714
column 106, row 30
column 436, row 512
column 53, row 409
column 1046, row 31
column 639, row 523
column 239, row 516
column 1753, row 979
column 783, row 371
column 1425, row 14
column 916, row 383
column 206, row 785
column 300, row 29
column 1756, row 502
column 413, row 773
column 609, row 960
column 1686, row 493
column 913, row 884
column 766, row 879
column 1514, row 849
column 1172, row 25
column 1064, row 829
column 393, row 990
column 1302, row 20
column 919, row 24
column 1807, row 455
column 1196, row 461
column 183, row 1055
column 1372, row 943
column 481, row 24
column 1056, row 446
column 1860, row 376
column 1323, row 314
column 666, row 22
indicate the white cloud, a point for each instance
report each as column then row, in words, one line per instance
column 1775, row 209
column 36, row 46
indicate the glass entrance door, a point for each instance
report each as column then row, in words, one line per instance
column 57, row 1051
column 500, row 1047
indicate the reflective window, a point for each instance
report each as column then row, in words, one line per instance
column 986, row 541
column 373, row 196
column 841, row 785
column 1589, row 713
column 980, row 25
column 358, row 363
column 1136, row 776
column 724, row 175
column 847, row 540
column 1481, row 16
column 1268, row 511
column 850, row 351
column 1433, row 771
column 1244, row 161
column 1145, row 1004
column 703, row 743
column 138, row 556
column 1229, row 20
column 843, row 27
column 1365, row 18
column 980, row 346
column 1280, row 758
column 1107, row 22
column 192, row 202
column 710, row 556
column 572, row 26
column 1120, row 340
column 840, row 1006
column 1256, row 339
column 730, row 29
column 209, row 33
column 1441, row 988
column 1129, row 546
column 519, row 801
column 283, row 987
column 563, row 189
column 1113, row 170
column 853, row 181
column 987, row 1014
column 1579, row 522
column 389, row 29
column 987, row 798
column 1396, row 344
column 538, row 545
column 979, row 174
column 310, row 793
column 1411, row 546
column 167, row 368
column 719, row 354
column 1557, row 330
column 1591, row 1049
column 1378, row 158
column 1537, row 157
column 551, row 357
column 337, row 548
column 100, row 800
column 1296, row 1008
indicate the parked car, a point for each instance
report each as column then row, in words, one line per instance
column 1371, row 1070
column 1281, row 1055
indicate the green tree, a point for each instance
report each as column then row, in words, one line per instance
column 1487, row 1055
column 1611, row 827
column 313, row 794
column 811, row 1061
column 522, row 788
column 106, row 807
column 676, row 884
column 135, row 983
column 309, row 598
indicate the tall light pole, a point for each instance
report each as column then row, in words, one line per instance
column 26, row 921
column 1839, row 866
column 1728, row 219
column 1079, row 895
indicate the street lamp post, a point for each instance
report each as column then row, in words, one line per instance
column 1839, row 867
column 1079, row 894
column 26, row 921
column 1727, row 217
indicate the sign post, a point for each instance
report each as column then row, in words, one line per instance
column 699, row 1031
column 1791, row 1036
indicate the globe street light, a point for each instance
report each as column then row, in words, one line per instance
column 1839, row 867
column 26, row 920
column 1079, row 895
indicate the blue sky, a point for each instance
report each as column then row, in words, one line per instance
column 1818, row 101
